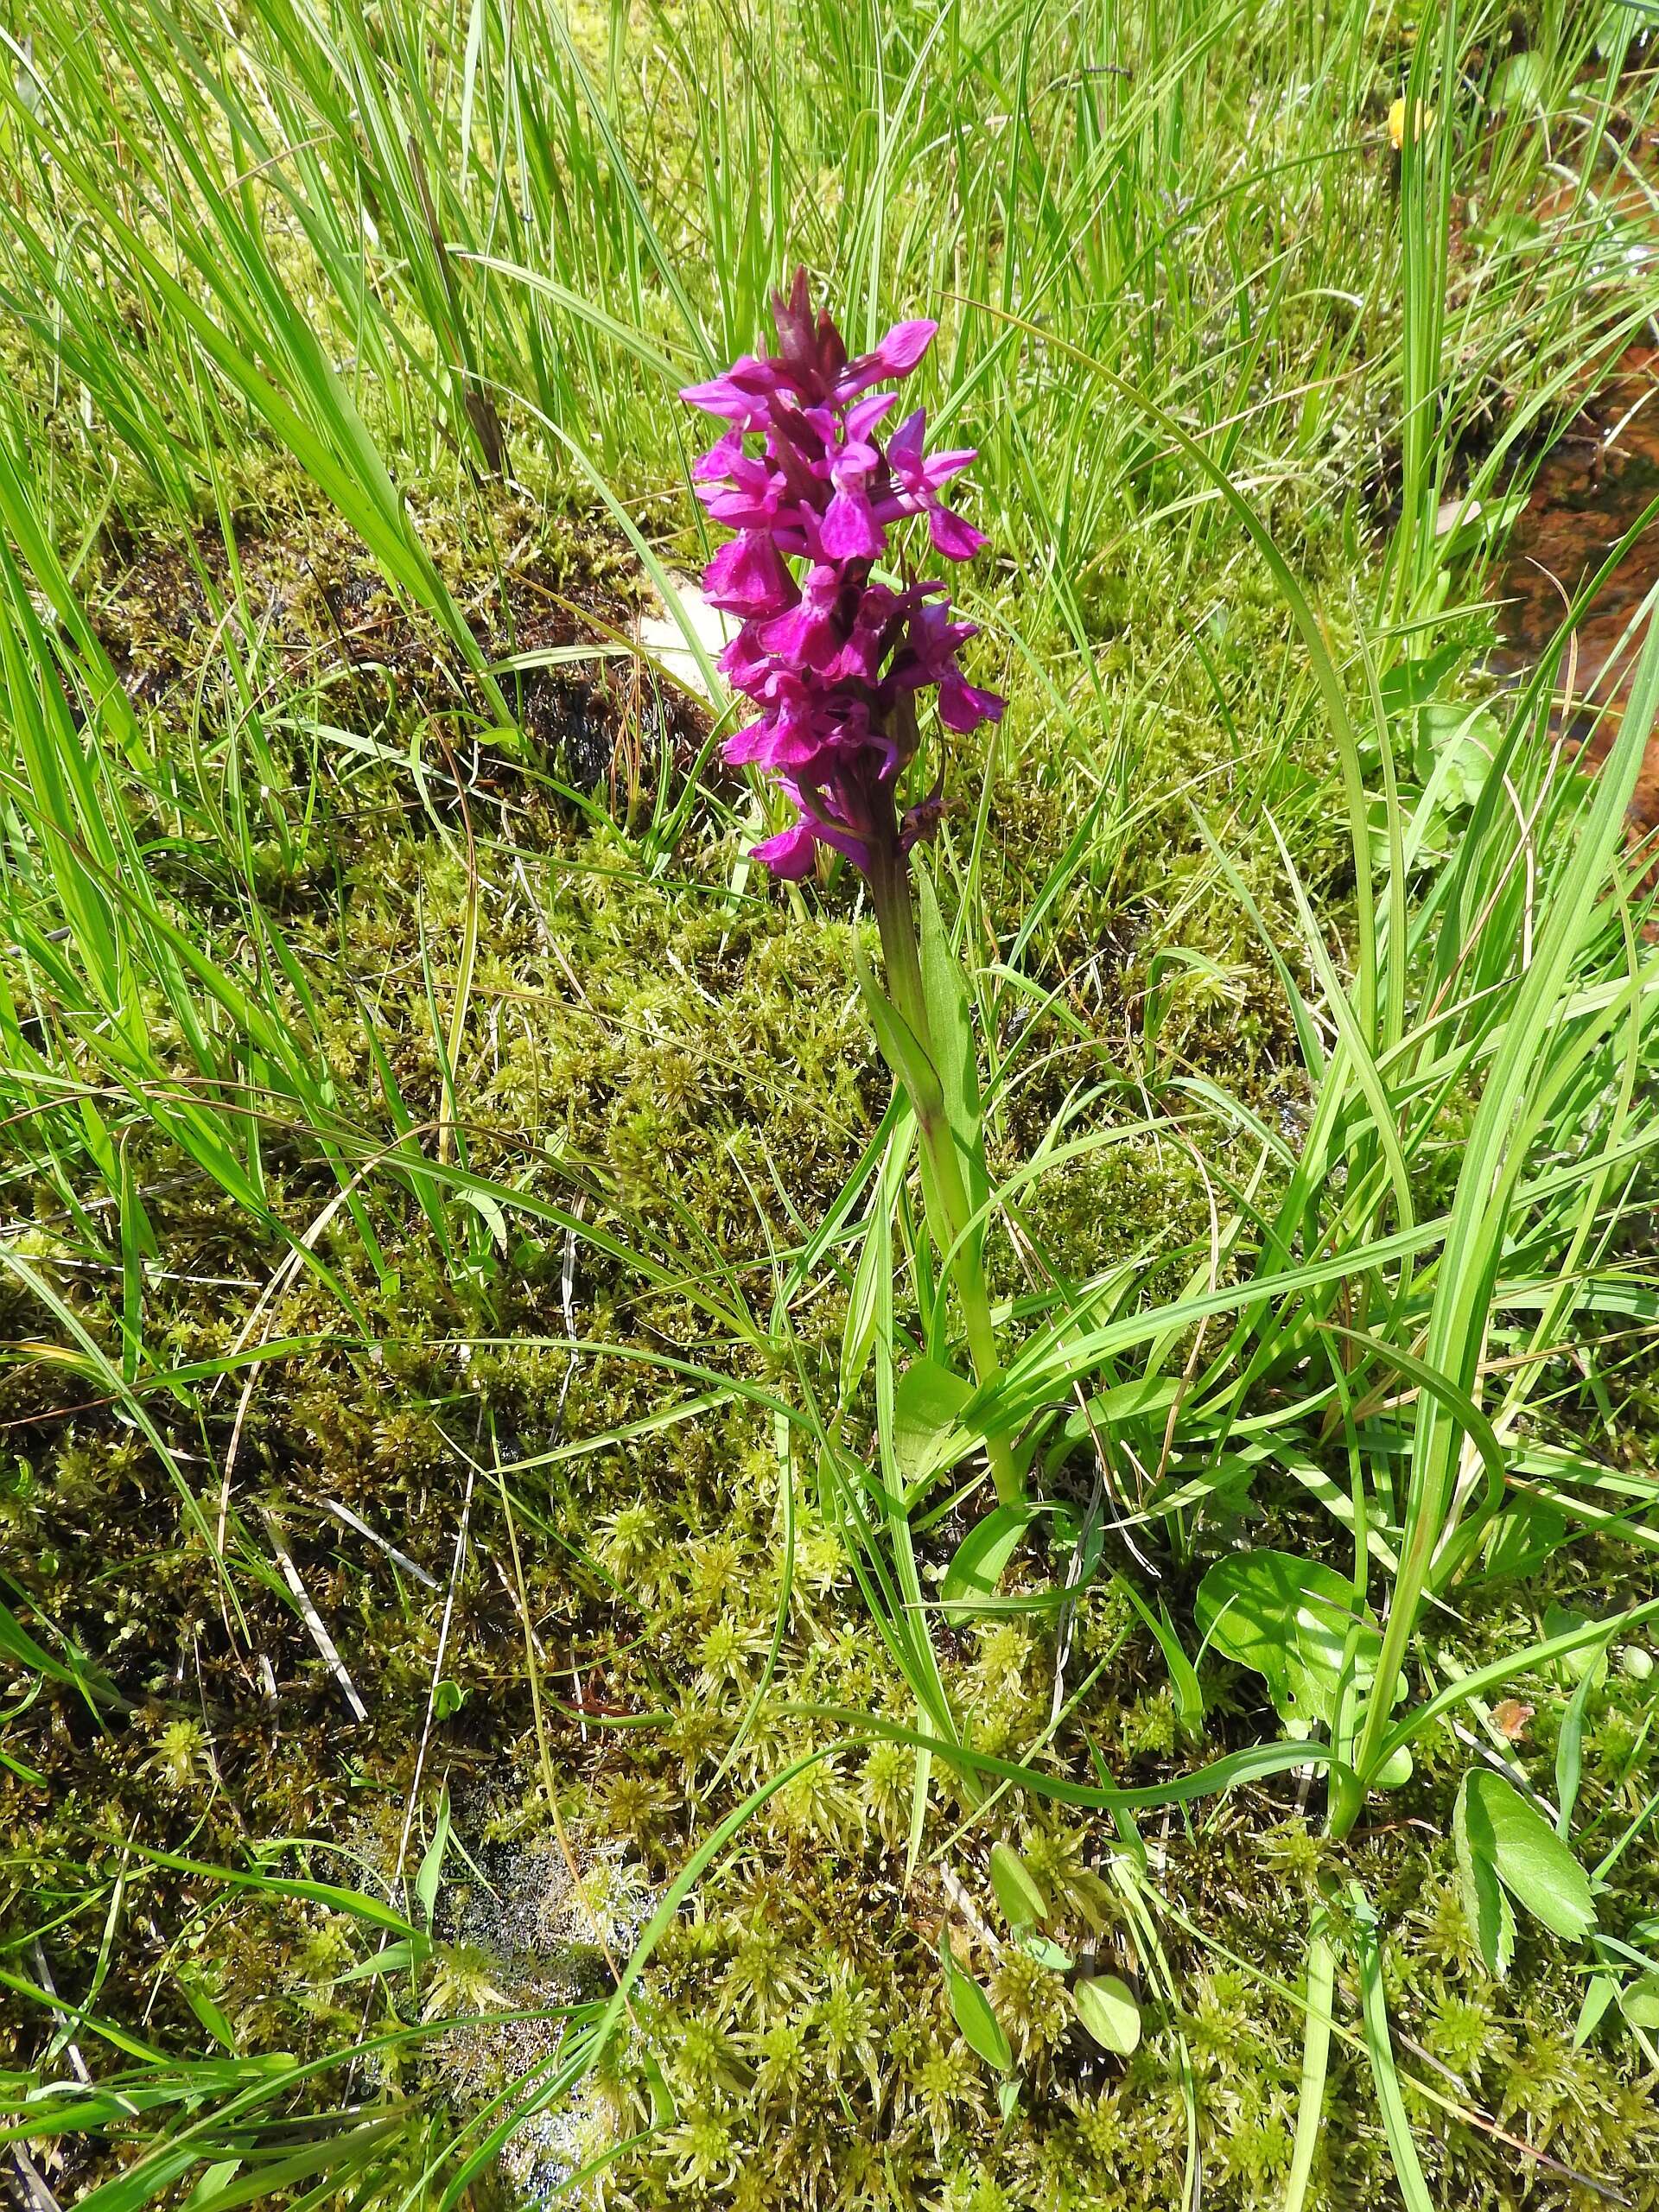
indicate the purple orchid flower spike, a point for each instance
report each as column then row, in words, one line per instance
column 836, row 658
column 833, row 659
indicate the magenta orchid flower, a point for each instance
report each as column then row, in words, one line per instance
column 836, row 657
column 833, row 658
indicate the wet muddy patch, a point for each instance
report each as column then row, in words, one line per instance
column 302, row 614
column 1598, row 485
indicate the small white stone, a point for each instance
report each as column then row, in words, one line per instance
column 662, row 637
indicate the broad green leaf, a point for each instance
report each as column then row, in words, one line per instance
column 1047, row 1954
column 1640, row 2002
column 1411, row 684
column 1529, row 1857
column 1288, row 1620
column 927, row 1403
column 1023, row 1903
column 1521, row 1538
column 1520, row 81
column 1460, row 741
column 1395, row 1771
column 1591, row 1658
column 1106, row 2006
column 970, row 2008
column 1490, row 1912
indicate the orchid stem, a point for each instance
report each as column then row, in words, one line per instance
column 890, row 897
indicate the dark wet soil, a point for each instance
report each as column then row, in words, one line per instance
column 1596, row 485
column 322, row 604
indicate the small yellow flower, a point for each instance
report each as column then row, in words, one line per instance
column 1422, row 124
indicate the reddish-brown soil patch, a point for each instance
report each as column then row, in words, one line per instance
column 1596, row 485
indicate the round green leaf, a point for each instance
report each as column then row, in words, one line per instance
column 1395, row 1771
column 1106, row 2006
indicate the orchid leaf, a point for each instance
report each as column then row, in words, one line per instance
column 970, row 1579
column 927, row 1436
column 902, row 1048
column 950, row 1027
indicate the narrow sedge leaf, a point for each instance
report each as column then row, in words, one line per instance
column 19, row 1646
column 1184, row 1678
column 1396, row 2124
column 1569, row 1751
column 213, row 2185
column 393, row 1958
column 1602, row 1990
column 874, row 1256
column 201, row 2003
